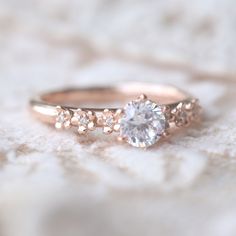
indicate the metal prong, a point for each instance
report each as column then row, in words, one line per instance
column 74, row 121
column 119, row 111
column 99, row 121
column 91, row 126
column 143, row 97
column 107, row 130
column 166, row 134
column 82, row 130
column 165, row 108
column 116, row 127
column 189, row 106
column 58, row 125
column 180, row 105
column 121, row 139
column 91, row 115
column 58, row 108
column 67, row 124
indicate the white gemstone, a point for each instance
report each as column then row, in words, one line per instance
column 84, row 121
column 82, row 118
column 143, row 123
column 61, row 117
column 109, row 121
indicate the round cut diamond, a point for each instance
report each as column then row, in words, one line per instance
column 63, row 118
column 143, row 123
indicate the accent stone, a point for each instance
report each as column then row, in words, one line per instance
column 63, row 118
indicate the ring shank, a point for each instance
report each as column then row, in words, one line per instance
column 44, row 107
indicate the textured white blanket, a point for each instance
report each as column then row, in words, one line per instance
column 56, row 183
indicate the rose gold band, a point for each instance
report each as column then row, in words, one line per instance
column 71, row 107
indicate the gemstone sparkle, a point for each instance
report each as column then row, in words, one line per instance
column 143, row 123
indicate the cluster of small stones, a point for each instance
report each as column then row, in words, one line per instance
column 110, row 120
column 185, row 113
column 88, row 120
column 63, row 119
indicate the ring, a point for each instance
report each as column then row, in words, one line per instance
column 152, row 113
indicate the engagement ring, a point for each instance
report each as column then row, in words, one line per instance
column 150, row 113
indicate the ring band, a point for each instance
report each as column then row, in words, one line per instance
column 153, row 112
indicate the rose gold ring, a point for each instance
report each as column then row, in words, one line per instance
column 152, row 113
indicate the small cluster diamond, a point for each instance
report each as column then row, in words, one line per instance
column 143, row 123
column 109, row 120
column 185, row 113
column 63, row 119
column 84, row 120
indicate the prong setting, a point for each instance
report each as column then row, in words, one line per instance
column 143, row 122
column 63, row 119
column 121, row 139
column 143, row 97
column 84, row 120
column 109, row 120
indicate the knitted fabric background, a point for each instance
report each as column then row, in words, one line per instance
column 56, row 183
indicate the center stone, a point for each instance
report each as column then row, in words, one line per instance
column 143, row 123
